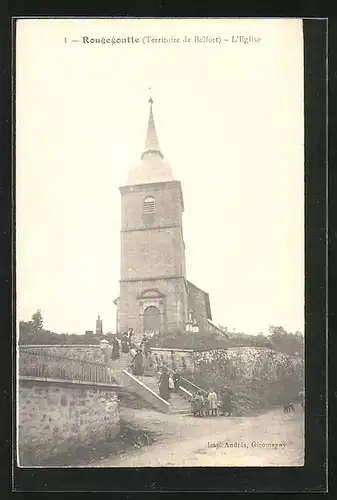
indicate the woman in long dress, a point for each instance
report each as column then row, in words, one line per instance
column 164, row 391
column 146, row 347
column 226, row 400
column 125, row 343
column 115, row 349
column 138, row 363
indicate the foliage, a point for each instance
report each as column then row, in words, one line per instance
column 278, row 339
column 196, row 341
column 32, row 332
column 256, row 379
column 37, row 321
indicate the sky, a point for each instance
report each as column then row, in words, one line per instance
column 229, row 118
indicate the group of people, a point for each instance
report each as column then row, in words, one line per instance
column 140, row 355
column 210, row 404
column 168, row 383
column 141, row 360
column 127, row 341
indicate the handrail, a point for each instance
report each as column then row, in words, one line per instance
column 56, row 357
column 46, row 364
column 188, row 382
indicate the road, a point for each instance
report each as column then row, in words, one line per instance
column 273, row 438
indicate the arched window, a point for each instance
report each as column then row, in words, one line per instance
column 149, row 205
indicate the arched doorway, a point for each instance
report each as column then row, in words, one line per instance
column 152, row 320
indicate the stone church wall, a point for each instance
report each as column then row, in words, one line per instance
column 168, row 205
column 197, row 303
column 129, row 308
column 153, row 253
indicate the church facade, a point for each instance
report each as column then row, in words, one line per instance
column 155, row 295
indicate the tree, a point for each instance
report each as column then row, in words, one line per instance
column 37, row 321
column 25, row 332
column 289, row 343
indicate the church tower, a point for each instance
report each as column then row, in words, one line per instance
column 153, row 290
column 99, row 325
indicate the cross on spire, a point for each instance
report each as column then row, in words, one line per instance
column 151, row 141
column 150, row 96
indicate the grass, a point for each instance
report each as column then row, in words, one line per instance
column 131, row 436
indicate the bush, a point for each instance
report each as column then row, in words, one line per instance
column 196, row 341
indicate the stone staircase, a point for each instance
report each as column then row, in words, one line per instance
column 177, row 404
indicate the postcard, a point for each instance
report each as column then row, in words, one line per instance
column 160, row 242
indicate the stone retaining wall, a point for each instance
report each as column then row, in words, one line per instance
column 58, row 416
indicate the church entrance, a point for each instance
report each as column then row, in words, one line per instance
column 151, row 320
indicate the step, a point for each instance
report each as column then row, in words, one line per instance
column 180, row 412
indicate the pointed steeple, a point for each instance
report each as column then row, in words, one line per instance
column 152, row 167
column 151, row 141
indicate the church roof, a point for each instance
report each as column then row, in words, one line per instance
column 152, row 168
column 151, row 141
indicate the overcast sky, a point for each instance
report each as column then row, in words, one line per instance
column 230, row 122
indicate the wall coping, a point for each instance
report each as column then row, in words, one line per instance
column 57, row 345
column 171, row 349
column 46, row 381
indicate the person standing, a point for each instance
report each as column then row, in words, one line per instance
column 212, row 402
column 138, row 363
column 176, row 380
column 198, row 405
column 125, row 343
column 133, row 353
column 146, row 347
column 226, row 403
column 171, row 383
column 130, row 335
column 164, row 391
column 115, row 348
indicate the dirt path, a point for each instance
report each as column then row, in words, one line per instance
column 218, row 441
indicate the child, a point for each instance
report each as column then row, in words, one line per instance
column 212, row 402
column 198, row 405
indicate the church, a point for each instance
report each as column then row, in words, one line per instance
column 155, row 295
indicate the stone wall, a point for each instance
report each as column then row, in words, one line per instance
column 176, row 359
column 246, row 364
column 241, row 364
column 55, row 417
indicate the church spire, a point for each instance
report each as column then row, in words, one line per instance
column 151, row 141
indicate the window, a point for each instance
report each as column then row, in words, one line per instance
column 149, row 205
